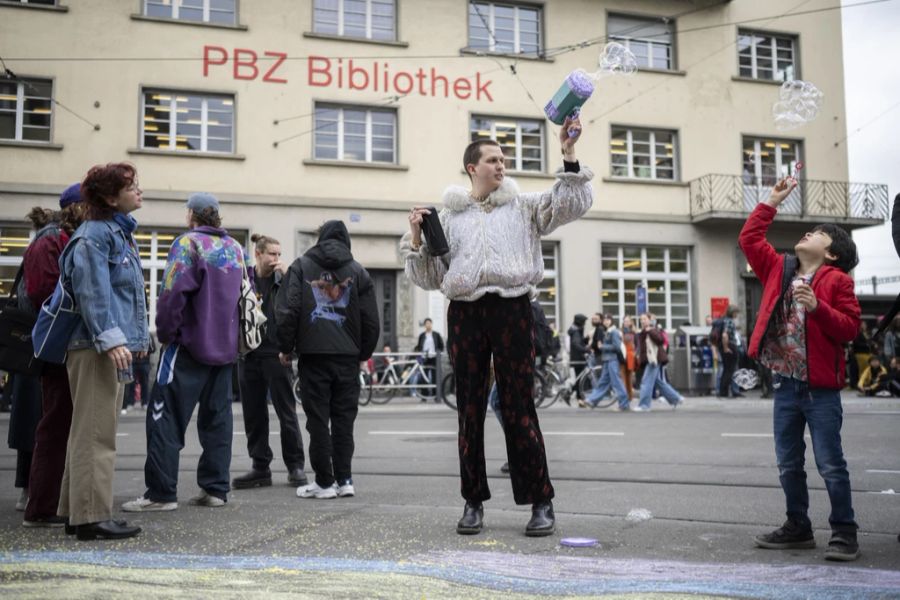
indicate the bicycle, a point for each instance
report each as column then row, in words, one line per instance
column 417, row 376
column 586, row 381
column 545, row 389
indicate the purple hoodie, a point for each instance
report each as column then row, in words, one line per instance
column 198, row 304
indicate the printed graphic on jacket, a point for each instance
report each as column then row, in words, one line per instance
column 213, row 250
column 330, row 294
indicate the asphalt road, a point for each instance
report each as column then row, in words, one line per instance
column 706, row 473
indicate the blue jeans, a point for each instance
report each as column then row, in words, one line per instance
column 652, row 380
column 494, row 403
column 609, row 380
column 796, row 406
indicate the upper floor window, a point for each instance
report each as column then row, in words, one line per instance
column 643, row 153
column 355, row 134
column 505, row 28
column 651, row 40
column 768, row 56
column 369, row 19
column 522, row 140
column 220, row 12
column 187, row 121
column 39, row 2
column 765, row 161
column 26, row 107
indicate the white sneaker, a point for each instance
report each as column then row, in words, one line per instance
column 142, row 504
column 204, row 499
column 124, row 412
column 346, row 490
column 22, row 502
column 640, row 408
column 313, row 490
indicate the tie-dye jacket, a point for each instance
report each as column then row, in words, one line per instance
column 198, row 304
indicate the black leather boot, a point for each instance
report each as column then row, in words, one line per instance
column 543, row 521
column 105, row 530
column 251, row 479
column 472, row 520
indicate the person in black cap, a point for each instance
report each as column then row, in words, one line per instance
column 326, row 313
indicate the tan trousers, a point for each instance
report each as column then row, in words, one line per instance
column 86, row 493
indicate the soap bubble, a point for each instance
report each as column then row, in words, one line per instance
column 637, row 515
column 799, row 103
column 616, row 59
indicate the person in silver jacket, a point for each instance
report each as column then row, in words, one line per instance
column 489, row 275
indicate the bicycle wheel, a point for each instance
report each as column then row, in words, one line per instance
column 296, row 387
column 587, row 385
column 384, row 395
column 551, row 389
column 538, row 396
column 365, row 388
column 448, row 390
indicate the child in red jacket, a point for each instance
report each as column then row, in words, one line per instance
column 808, row 311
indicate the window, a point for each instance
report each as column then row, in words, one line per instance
column 548, row 289
column 220, row 12
column 39, row 2
column 369, row 19
column 643, row 153
column 187, row 121
column 767, row 56
column 504, row 28
column 665, row 272
column 522, row 141
column 765, row 161
column 355, row 134
column 651, row 40
column 26, row 106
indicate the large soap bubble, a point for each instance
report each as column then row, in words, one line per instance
column 799, row 103
column 616, row 59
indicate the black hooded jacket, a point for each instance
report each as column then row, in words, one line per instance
column 326, row 303
column 577, row 343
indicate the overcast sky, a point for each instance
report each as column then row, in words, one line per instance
column 872, row 85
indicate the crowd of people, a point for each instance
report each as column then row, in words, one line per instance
column 322, row 312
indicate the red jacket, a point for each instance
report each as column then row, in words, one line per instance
column 835, row 320
column 41, row 265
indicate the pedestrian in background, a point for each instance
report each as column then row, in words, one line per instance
column 609, row 349
column 326, row 312
column 263, row 376
column 729, row 349
column 104, row 266
column 197, row 322
column 653, row 355
column 430, row 343
column 138, row 391
column 578, row 350
column 628, row 368
column 41, row 272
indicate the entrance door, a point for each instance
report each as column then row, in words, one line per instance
column 386, row 295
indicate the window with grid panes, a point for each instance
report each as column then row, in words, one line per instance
column 187, row 121
column 650, row 39
column 665, row 272
column 26, row 107
column 765, row 161
column 522, row 140
column 355, row 134
column 548, row 288
column 764, row 55
column 369, row 19
column 643, row 153
column 505, row 28
column 221, row 12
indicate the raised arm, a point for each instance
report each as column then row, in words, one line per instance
column 752, row 240
column 425, row 270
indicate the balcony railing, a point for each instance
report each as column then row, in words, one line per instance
column 736, row 196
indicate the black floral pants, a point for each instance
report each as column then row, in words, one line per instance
column 502, row 328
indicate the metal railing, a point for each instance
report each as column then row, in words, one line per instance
column 395, row 371
column 735, row 194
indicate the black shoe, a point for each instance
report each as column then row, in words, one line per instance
column 787, row 537
column 252, row 479
column 543, row 521
column 105, row 530
column 472, row 520
column 842, row 546
column 295, row 477
column 70, row 529
column 505, row 468
column 53, row 521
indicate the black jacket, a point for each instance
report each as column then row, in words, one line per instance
column 543, row 335
column 269, row 345
column 895, row 232
column 438, row 342
column 577, row 346
column 326, row 304
column 597, row 339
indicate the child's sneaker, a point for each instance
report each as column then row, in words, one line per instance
column 787, row 537
column 205, row 499
column 314, row 491
column 147, row 505
column 345, row 490
column 842, row 546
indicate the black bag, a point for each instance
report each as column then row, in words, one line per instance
column 16, row 323
column 434, row 233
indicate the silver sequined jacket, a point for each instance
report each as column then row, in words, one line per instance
column 496, row 247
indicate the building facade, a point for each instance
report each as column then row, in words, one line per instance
column 293, row 113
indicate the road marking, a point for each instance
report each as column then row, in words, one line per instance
column 587, row 433
column 882, row 471
column 413, row 433
column 121, row 435
column 753, row 435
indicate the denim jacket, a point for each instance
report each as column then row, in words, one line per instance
column 612, row 342
column 104, row 266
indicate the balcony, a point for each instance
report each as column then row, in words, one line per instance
column 717, row 198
